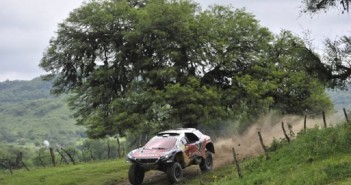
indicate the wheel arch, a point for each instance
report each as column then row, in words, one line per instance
column 210, row 147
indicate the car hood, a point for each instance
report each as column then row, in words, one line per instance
column 150, row 153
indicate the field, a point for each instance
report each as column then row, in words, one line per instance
column 319, row 156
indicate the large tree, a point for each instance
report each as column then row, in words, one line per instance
column 143, row 65
column 336, row 57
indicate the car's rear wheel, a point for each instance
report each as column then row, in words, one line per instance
column 174, row 173
column 136, row 174
column 207, row 164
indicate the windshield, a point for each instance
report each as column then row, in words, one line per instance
column 161, row 143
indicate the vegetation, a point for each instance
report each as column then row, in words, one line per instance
column 127, row 70
column 131, row 69
column 103, row 172
column 336, row 57
column 315, row 6
column 30, row 115
column 319, row 156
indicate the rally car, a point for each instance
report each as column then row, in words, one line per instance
column 171, row 151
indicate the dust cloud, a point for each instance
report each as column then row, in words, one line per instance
column 247, row 144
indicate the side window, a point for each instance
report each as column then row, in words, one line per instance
column 191, row 137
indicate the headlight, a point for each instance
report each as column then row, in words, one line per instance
column 165, row 157
column 130, row 155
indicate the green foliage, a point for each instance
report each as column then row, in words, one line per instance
column 29, row 115
column 131, row 68
column 315, row 6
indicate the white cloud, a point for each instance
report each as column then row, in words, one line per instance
column 25, row 30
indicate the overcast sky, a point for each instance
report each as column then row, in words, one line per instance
column 26, row 27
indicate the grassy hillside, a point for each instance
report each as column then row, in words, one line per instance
column 103, row 172
column 320, row 156
column 29, row 115
column 316, row 157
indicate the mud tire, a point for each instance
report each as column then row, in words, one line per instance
column 174, row 173
column 207, row 164
column 136, row 174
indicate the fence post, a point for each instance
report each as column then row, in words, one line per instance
column 286, row 135
column 62, row 156
column 108, row 148
column 347, row 119
column 324, row 120
column 52, row 156
column 10, row 166
column 69, row 155
column 237, row 164
column 263, row 146
column 119, row 148
column 305, row 123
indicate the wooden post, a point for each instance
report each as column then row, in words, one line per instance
column 62, row 156
column 25, row 166
column 69, row 155
column 108, row 148
column 10, row 166
column 263, row 146
column 237, row 164
column 19, row 161
column 305, row 123
column 286, row 135
column 52, row 156
column 119, row 148
column 324, row 120
column 347, row 119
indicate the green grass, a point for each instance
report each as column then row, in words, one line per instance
column 320, row 156
column 314, row 158
column 103, row 173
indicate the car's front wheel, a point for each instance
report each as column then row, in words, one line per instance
column 136, row 174
column 207, row 164
column 174, row 173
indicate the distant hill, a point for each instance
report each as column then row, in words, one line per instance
column 29, row 115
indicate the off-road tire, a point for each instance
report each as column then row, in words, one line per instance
column 174, row 173
column 136, row 174
column 207, row 164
